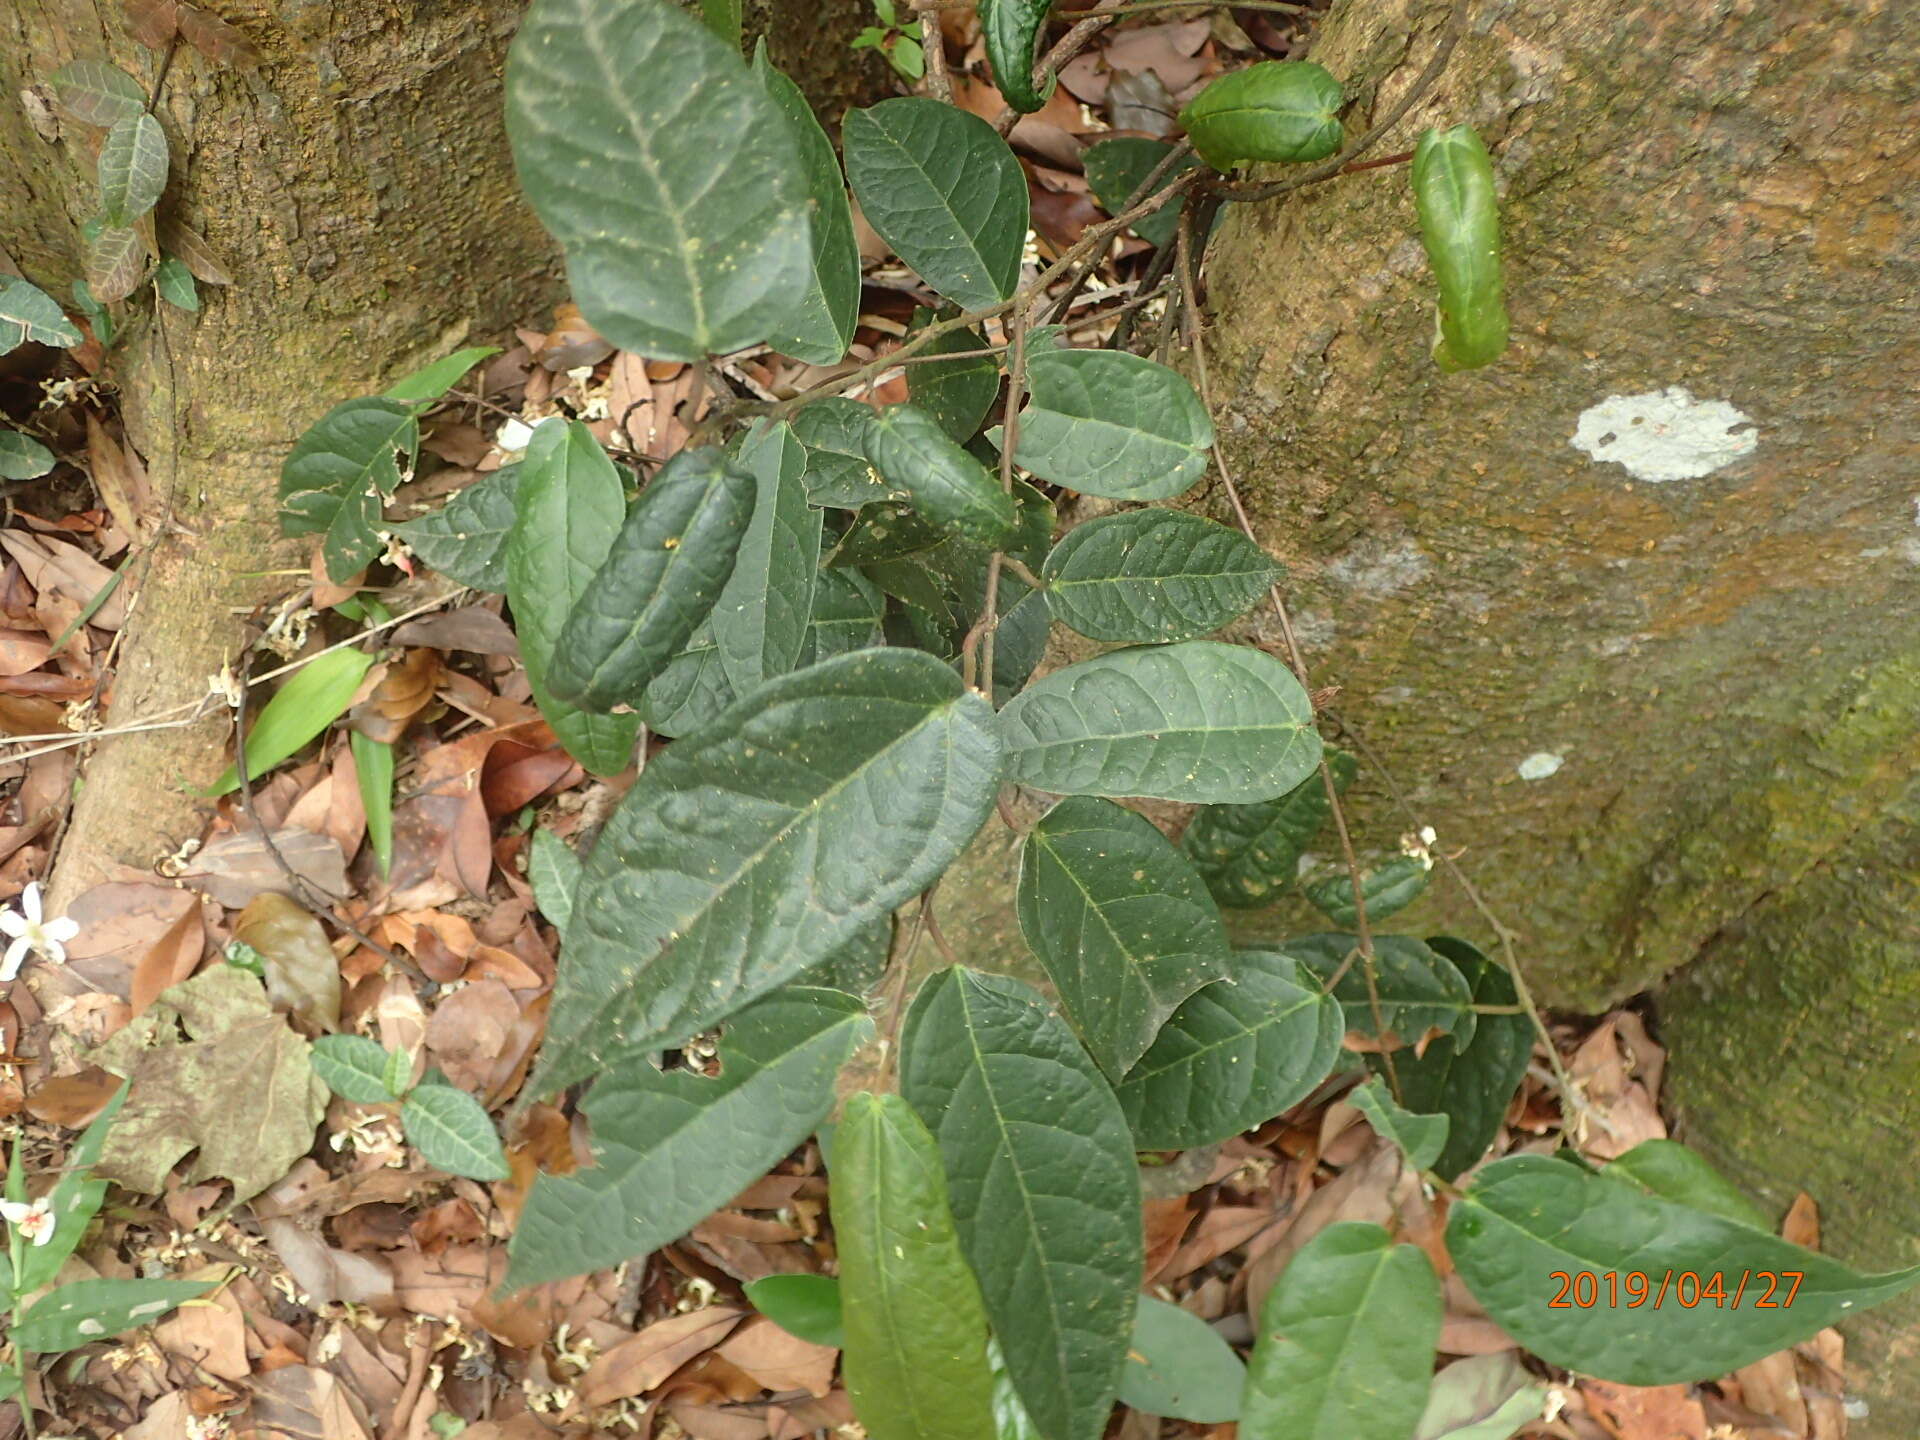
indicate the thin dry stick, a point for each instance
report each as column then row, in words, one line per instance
column 906, row 939
column 933, row 45
column 1009, row 441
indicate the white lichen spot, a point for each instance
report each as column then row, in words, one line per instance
column 1381, row 567
column 1540, row 764
column 1665, row 434
column 91, row 1327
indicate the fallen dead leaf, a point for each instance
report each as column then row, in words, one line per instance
column 234, row 868
column 1645, row 1412
column 636, row 1366
column 468, row 1030
column 298, row 1402
column 778, row 1360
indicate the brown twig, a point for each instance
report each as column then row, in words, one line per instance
column 933, row 45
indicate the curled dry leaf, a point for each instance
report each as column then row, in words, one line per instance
column 633, row 1367
column 303, row 974
column 401, row 695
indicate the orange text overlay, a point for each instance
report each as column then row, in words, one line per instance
column 1687, row 1289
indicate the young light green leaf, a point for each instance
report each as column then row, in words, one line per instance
column 116, row 261
column 569, row 504
column 430, row 382
column 97, row 315
column 466, row 539
column 1670, row 1170
column 398, row 1075
column 1116, row 168
column 1421, row 1138
column 554, row 872
column 1483, row 1397
column 373, row 765
column 838, row 473
column 1281, row 110
column 174, row 281
column 453, row 1132
column 1179, row 1367
column 313, row 698
column 354, row 1067
column 805, row 1306
column 1195, row 721
column 96, row 93
column 1124, row 927
column 133, row 168
column 1417, row 988
column 1460, row 228
column 1388, row 888
column 760, row 619
column 949, row 488
column 1247, row 854
column 1528, row 1219
column 915, row 1355
column 1236, row 1054
column 333, row 481
column 1148, row 576
column 672, row 1147
column 945, row 193
column 28, row 313
column 89, row 1310
column 957, row 393
column 1012, row 29
column 758, row 847
column 1346, row 1340
column 819, row 324
column 723, row 18
column 1046, row 1191
column 599, row 99
column 1108, row 423
column 667, row 568
column 22, row 457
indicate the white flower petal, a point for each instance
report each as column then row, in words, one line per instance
column 52, row 950
column 13, row 1212
column 16, row 952
column 61, row 930
column 13, row 922
column 30, row 902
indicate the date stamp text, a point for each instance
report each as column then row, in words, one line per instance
column 1688, row 1289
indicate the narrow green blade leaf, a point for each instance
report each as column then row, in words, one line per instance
column 28, row 313
column 174, row 281
column 73, row 1201
column 466, row 539
column 1670, row 1170
column 807, row 1306
column 333, row 481
column 1421, row 1138
column 1108, row 423
column 1124, row 927
column 1346, row 1341
column 1046, row 1191
column 88, row 1310
column 22, row 457
column 949, row 488
column 1115, row 169
column 133, row 168
column 838, row 472
column 453, row 1132
column 944, row 191
column 760, row 619
column 430, row 382
column 1278, row 110
column 1459, row 212
column 554, row 872
column 672, row 1147
column 373, row 764
column 313, row 698
column 1248, row 854
column 1526, row 1220
column 819, row 325
column 636, row 130
column 758, row 847
column 1418, row 989
column 1147, row 576
column 1179, row 1367
column 915, row 1356
column 96, row 93
column 1195, row 721
column 354, row 1067
column 957, row 393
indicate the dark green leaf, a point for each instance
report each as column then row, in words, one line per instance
column 949, row 488
column 855, row 968
column 846, row 615
column 116, row 260
column 452, row 1132
column 1282, row 110
column 133, row 168
column 1124, row 927
column 1116, row 168
column 466, row 539
column 807, row 1306
column 22, row 457
column 1154, row 575
column 945, row 193
column 1418, row 988
column 554, row 872
column 96, row 93
column 691, row 692
column 819, row 325
column 1104, row 422
column 957, row 393
column 1012, row 29
column 1387, row 888
column 838, row 472
column 333, row 481
column 759, row 846
column 1236, row 1054
column 1179, row 1367
column 313, row 698
column 760, row 620
column 1346, row 1340
column 174, row 281
column 1249, row 853
column 430, row 382
column 885, row 531
column 28, row 313
column 1195, row 721
column 1670, row 1170
column 1460, row 228
column 373, row 767
column 89, row 1310
column 1527, row 1219
column 1420, row 1138
column 671, row 1147
column 723, row 18
column 1046, row 1191
column 354, row 1067
column 664, row 170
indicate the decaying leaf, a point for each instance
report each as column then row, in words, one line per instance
column 216, row 39
column 303, row 977
column 235, row 868
column 403, row 692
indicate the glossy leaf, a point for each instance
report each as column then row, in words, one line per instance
column 22, row 457
column 1248, row 854
column 133, row 168
column 755, row 848
column 354, row 1067
column 760, row 619
column 692, row 692
column 668, row 565
column 333, row 480
column 1279, row 110
column 1527, row 1217
column 1046, row 1191
column 453, row 1132
column 1418, row 988
column 314, row 696
column 1483, row 1397
column 554, row 872
column 1459, row 213
column 1420, row 1138
column 1670, row 1170
column 818, row 326
column 838, row 472
column 116, row 261
column 430, row 382
column 1145, row 576
column 1388, row 888
column 949, row 488
column 1124, row 927
column 28, row 313
column 1012, row 29
column 466, row 539
column 174, row 281
column 96, row 93
column 373, row 767
column 1345, row 1342
column 569, row 504
column 1196, row 721
column 1236, row 1054
column 671, row 1147
column 915, row 1353
column 957, row 393
column 1104, row 422
column 636, row 131
column 1179, row 1367
column 806, row 1306
column 945, row 193
column 89, row 1310
column 1115, row 170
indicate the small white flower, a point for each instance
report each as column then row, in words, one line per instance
column 34, row 1221
column 47, row 939
column 513, row 435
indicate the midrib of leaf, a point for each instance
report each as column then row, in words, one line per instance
column 1134, row 965
column 1207, row 1049
column 1347, row 1333
column 1156, row 578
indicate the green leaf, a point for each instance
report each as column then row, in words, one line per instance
column 73, row 1202
column 1418, row 988
column 1483, row 1397
column 89, row 1310
column 1460, row 228
column 957, row 393
column 174, row 281
column 667, row 568
column 886, row 531
column 1527, row 1219
column 354, row 1067
column 1046, row 1191
column 430, row 382
column 1420, row 1138
column 819, row 325
column 1387, row 888
column 1236, row 1054
column 373, row 764
column 847, row 608
column 116, row 260
column 692, row 692
column 1124, row 927
column 838, row 472
column 1179, row 1367
column 949, row 488
column 397, row 1077
column 915, row 1354
column 22, row 457
column 96, row 93
column 1116, row 168
column 1670, row 1170
column 1104, row 422
column 760, row 620
column 1281, row 110
column 1154, row 575
column 1346, row 1340
column 453, row 1132
column 333, row 481
column 569, row 505
column 906, row 56
column 664, row 170
column 671, row 1147
column 1012, row 29
column 103, row 327
column 28, row 313
column 755, row 848
column 313, row 698
column 723, row 18
column 554, row 872
column 133, row 168
column 466, row 539
column 945, row 193
column 806, row 1306
column 1247, row 854
column 1195, row 721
